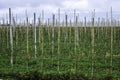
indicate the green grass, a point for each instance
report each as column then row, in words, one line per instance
column 47, row 63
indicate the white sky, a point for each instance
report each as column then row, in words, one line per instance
column 83, row 7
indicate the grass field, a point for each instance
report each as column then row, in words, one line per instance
column 68, row 51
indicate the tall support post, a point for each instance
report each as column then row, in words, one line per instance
column 76, row 41
column 39, row 24
column 35, row 36
column 92, row 44
column 53, row 25
column 27, row 30
column 58, row 40
column 111, row 53
column 11, row 38
column 66, row 38
column 42, row 37
column 28, row 57
column 75, row 38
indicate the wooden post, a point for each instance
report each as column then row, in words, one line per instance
column 27, row 39
column 58, row 40
column 75, row 21
column 92, row 45
column 42, row 36
column 111, row 53
column 76, row 41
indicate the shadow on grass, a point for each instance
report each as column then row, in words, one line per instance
column 34, row 75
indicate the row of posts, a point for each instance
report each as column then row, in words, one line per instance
column 66, row 25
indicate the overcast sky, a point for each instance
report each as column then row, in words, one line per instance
column 84, row 7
